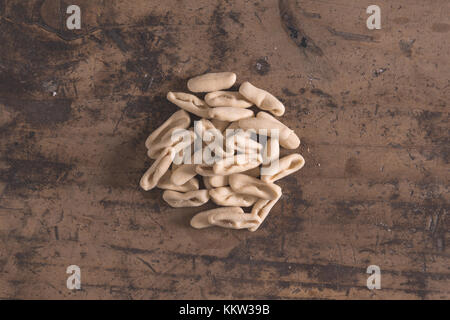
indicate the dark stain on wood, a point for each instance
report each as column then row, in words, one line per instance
column 41, row 113
column 351, row 36
column 294, row 30
column 262, row 66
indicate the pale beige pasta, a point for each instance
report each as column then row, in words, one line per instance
column 242, row 142
column 220, row 124
column 160, row 139
column 186, row 199
column 217, row 152
column 227, row 217
column 222, row 181
column 203, row 126
column 218, row 181
column 271, row 151
column 157, row 170
column 164, row 183
column 243, row 183
column 230, row 132
column 287, row 137
column 233, row 164
column 184, row 150
column 179, row 139
column 232, row 126
column 204, row 160
column 205, row 170
column 261, row 209
column 234, row 220
column 190, row 103
column 212, row 82
column 212, row 138
column 286, row 166
column 225, row 196
column 214, row 142
column 201, row 219
column 259, row 125
column 261, row 98
column 207, row 182
column 227, row 99
column 229, row 113
column 235, row 152
column 179, row 119
column 183, row 173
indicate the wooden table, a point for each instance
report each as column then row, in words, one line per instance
column 371, row 108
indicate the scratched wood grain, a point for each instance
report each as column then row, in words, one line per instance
column 371, row 108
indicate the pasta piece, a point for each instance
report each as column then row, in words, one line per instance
column 259, row 125
column 183, row 173
column 201, row 219
column 288, row 138
column 227, row 217
column 212, row 82
column 218, row 181
column 213, row 139
column 188, row 199
column 261, row 98
column 241, row 141
column 207, row 183
column 225, row 196
column 232, row 126
column 178, row 139
column 234, row 220
column 286, row 165
column 242, row 183
column 204, row 170
column 234, row 164
column 227, row 99
column 157, row 170
column 164, row 183
column 160, row 139
column 229, row 113
column 203, row 126
column 190, row 103
column 221, row 181
column 220, row 124
column 261, row 209
column 179, row 119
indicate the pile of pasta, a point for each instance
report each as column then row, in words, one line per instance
column 234, row 179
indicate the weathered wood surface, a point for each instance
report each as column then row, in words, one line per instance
column 371, row 108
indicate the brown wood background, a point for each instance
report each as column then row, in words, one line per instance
column 371, row 108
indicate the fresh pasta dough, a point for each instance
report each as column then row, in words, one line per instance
column 234, row 152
